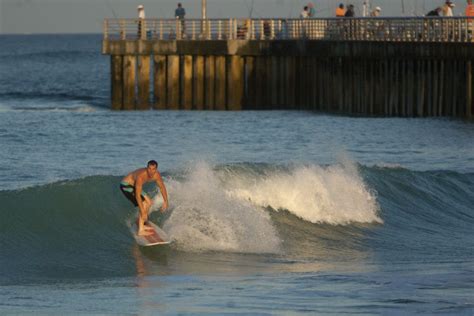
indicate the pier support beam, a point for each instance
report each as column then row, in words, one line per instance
column 260, row 86
column 116, row 66
column 290, row 87
column 235, row 83
column 220, row 83
column 249, row 99
column 188, row 82
column 198, row 83
column 173, row 82
column 210, row 83
column 159, row 89
column 469, row 89
column 129, row 73
column 143, row 82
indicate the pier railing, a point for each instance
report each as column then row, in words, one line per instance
column 419, row 29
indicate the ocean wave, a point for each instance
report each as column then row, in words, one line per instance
column 36, row 95
column 77, row 227
column 230, row 203
column 38, row 98
column 243, row 207
column 334, row 195
column 220, row 208
column 388, row 165
column 48, row 106
column 53, row 54
column 206, row 217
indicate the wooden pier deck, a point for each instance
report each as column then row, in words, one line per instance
column 411, row 67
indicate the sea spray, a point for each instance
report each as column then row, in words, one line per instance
column 205, row 217
column 334, row 195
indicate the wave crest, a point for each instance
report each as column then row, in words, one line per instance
column 333, row 195
column 207, row 218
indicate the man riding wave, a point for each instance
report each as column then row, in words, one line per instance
column 132, row 187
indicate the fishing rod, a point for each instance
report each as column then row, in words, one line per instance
column 107, row 3
column 250, row 9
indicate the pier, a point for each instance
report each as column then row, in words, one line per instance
column 409, row 67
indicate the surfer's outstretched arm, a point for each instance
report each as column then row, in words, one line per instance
column 164, row 193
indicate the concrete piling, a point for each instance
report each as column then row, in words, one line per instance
column 173, row 80
column 143, row 83
column 210, row 75
column 198, row 83
column 129, row 71
column 160, row 85
column 116, row 67
column 220, row 89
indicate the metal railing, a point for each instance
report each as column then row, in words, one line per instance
column 419, row 29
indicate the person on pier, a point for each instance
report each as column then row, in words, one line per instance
column 375, row 12
column 434, row 12
column 304, row 13
column 340, row 11
column 311, row 10
column 141, row 21
column 350, row 13
column 470, row 9
column 448, row 9
column 470, row 13
column 179, row 14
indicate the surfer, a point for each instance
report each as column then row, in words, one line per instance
column 131, row 187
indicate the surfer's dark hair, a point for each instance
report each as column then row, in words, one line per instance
column 152, row 163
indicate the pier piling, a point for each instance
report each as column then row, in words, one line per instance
column 343, row 66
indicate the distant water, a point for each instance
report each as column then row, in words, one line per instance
column 270, row 212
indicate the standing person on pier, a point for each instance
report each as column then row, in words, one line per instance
column 304, row 13
column 141, row 11
column 350, row 11
column 470, row 9
column 375, row 12
column 340, row 11
column 311, row 10
column 448, row 8
column 434, row 12
column 179, row 14
column 141, row 18
column 470, row 12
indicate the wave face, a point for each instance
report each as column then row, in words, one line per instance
column 79, row 227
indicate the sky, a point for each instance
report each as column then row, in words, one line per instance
column 86, row 16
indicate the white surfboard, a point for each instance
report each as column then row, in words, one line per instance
column 159, row 237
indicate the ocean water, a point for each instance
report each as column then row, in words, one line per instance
column 271, row 212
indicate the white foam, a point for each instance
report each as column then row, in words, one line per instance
column 84, row 108
column 225, row 210
column 47, row 106
column 206, row 218
column 333, row 195
column 4, row 107
column 387, row 165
